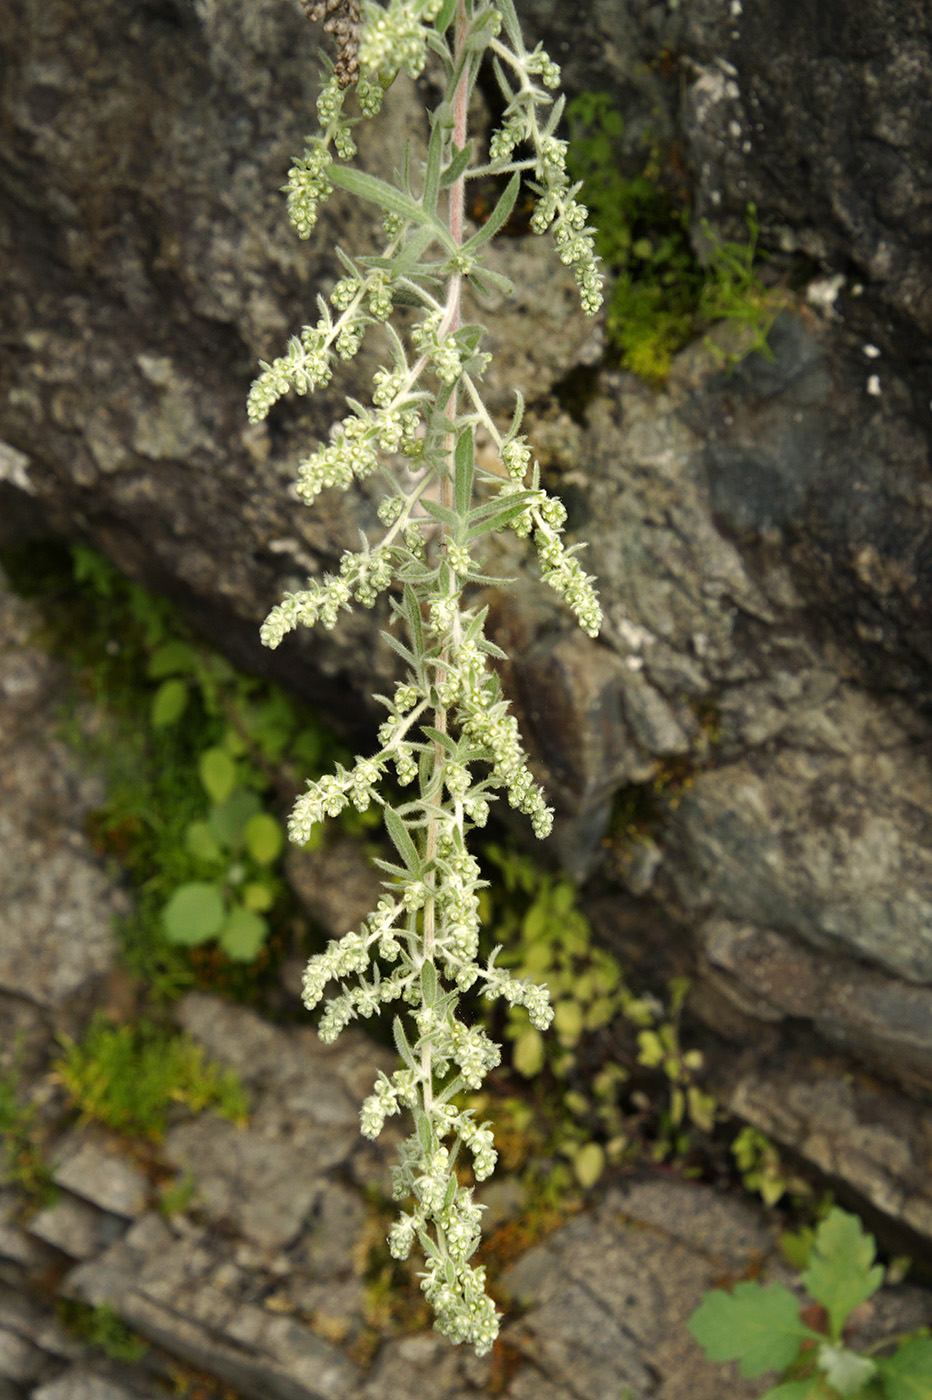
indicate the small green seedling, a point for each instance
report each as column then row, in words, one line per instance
column 762, row 1327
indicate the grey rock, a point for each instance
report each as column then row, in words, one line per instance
column 605, row 1298
column 415, row 1366
column 185, row 1293
column 821, row 117
column 850, row 1129
column 885, row 1021
column 90, row 1166
column 77, row 1228
column 227, row 1162
column 87, row 1381
column 337, row 885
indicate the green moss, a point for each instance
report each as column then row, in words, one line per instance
column 21, row 1161
column 663, row 293
column 129, row 1077
column 102, row 1327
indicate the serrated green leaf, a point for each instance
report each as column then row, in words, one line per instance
column 172, row 659
column 168, row 703
column 811, row 1389
column 264, row 838
column 844, row 1369
column 217, row 773
column 839, row 1275
column 243, row 935
column 193, row 914
column 907, row 1374
column 758, row 1327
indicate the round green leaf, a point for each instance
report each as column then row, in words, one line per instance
column 568, row 1021
column 200, row 842
column 218, row 773
column 243, row 935
column 257, row 896
column 228, row 820
column 193, row 914
column 168, row 703
column 172, row 659
column 264, row 838
column 588, row 1164
column 528, row 1053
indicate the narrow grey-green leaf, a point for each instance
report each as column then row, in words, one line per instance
column 464, row 462
column 445, row 16
column 386, row 196
column 488, row 282
column 503, row 516
column 510, row 20
column 401, row 840
column 429, row 983
column 412, row 612
column 401, row 1043
column 440, row 513
column 497, row 218
column 432, row 168
column 443, row 739
column 408, row 257
column 457, row 165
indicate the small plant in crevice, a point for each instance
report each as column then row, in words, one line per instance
column 765, row 1327
column 22, row 1163
column 198, row 759
column 102, row 1327
column 132, row 1077
column 622, row 1084
column 662, row 293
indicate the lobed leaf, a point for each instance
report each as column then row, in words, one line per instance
column 839, row 1275
column 758, row 1327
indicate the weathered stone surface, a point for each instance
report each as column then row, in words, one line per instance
column 883, row 1020
column 56, row 905
column 606, row 1297
column 90, row 1166
column 77, row 1228
column 820, row 115
column 182, row 1293
column 851, row 1129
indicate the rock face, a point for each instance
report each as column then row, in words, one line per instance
column 758, row 703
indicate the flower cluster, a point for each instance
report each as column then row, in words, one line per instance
column 396, row 38
column 448, row 736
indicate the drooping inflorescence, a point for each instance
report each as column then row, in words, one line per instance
column 448, row 741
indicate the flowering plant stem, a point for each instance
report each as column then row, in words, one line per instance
column 448, row 735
